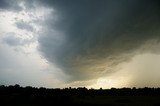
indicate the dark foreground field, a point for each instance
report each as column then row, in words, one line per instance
column 29, row 96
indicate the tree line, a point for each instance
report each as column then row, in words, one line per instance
column 15, row 94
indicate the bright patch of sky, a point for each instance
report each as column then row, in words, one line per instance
column 22, row 63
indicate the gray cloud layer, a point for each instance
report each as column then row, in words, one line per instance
column 24, row 26
column 11, row 40
column 92, row 37
column 11, row 5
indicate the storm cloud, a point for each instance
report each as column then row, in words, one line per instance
column 91, row 38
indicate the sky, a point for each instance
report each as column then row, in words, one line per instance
column 77, row 43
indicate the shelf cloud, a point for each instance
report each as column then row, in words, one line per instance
column 91, row 38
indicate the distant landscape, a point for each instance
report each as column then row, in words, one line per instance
column 31, row 96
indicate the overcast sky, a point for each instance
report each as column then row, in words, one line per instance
column 92, row 43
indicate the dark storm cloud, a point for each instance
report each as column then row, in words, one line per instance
column 91, row 37
column 10, row 5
